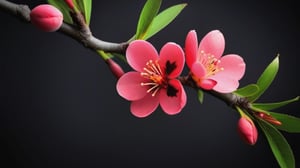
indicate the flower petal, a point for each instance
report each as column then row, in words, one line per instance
column 145, row 106
column 129, row 86
column 225, row 84
column 234, row 66
column 173, row 104
column 207, row 84
column 228, row 79
column 213, row 43
column 198, row 70
column 171, row 59
column 191, row 47
column 139, row 52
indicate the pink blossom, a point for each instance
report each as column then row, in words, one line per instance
column 154, row 80
column 247, row 130
column 209, row 69
column 46, row 17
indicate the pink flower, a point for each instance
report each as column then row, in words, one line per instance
column 247, row 130
column 154, row 80
column 209, row 69
column 46, row 17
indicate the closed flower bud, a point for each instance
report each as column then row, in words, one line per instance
column 247, row 130
column 268, row 118
column 115, row 68
column 46, row 17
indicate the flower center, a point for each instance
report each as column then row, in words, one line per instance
column 153, row 72
column 210, row 63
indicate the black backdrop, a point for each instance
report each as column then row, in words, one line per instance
column 59, row 106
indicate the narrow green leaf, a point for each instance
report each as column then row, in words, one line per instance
column 85, row 6
column 163, row 19
column 200, row 95
column 88, row 10
column 248, row 90
column 78, row 5
column 272, row 106
column 266, row 78
column 253, row 108
column 62, row 6
column 259, row 110
column 288, row 123
column 148, row 13
column 279, row 145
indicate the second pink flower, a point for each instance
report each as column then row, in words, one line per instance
column 209, row 69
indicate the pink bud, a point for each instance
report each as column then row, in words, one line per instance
column 46, row 17
column 115, row 68
column 247, row 130
column 268, row 118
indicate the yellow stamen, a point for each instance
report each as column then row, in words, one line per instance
column 153, row 72
column 210, row 63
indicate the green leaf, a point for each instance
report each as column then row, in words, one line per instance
column 279, row 145
column 248, row 90
column 148, row 13
column 79, row 5
column 163, row 19
column 259, row 110
column 288, row 123
column 272, row 106
column 63, row 7
column 266, row 78
column 85, row 6
column 200, row 95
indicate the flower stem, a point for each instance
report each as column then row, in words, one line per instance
column 104, row 55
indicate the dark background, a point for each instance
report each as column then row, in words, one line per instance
column 59, row 106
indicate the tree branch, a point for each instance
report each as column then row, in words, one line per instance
column 87, row 39
column 19, row 10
